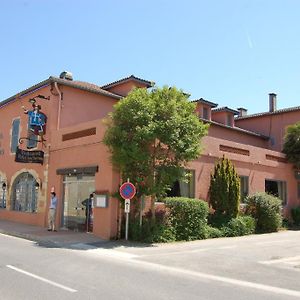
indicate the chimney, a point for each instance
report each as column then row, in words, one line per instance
column 242, row 111
column 272, row 102
column 66, row 75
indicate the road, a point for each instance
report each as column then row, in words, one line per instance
column 254, row 267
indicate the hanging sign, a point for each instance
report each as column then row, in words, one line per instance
column 24, row 156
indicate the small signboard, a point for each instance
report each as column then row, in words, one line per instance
column 101, row 201
column 127, row 190
column 25, row 156
column 127, row 206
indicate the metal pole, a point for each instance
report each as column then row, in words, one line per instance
column 126, row 228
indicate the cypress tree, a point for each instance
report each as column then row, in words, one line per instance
column 225, row 189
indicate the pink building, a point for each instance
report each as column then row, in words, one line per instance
column 73, row 161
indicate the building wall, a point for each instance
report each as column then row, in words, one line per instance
column 273, row 125
column 124, row 88
column 11, row 169
column 254, row 161
column 84, row 152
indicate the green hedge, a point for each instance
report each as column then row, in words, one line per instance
column 188, row 217
column 295, row 212
column 242, row 225
column 266, row 210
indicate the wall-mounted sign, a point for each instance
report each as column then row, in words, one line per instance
column 25, row 156
column 101, row 200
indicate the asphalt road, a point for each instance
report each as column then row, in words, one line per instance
column 253, row 267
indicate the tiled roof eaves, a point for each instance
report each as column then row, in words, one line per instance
column 51, row 79
column 85, row 88
column 236, row 129
column 131, row 77
column 225, row 108
column 277, row 112
column 23, row 93
column 206, row 102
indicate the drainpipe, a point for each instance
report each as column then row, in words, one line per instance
column 59, row 104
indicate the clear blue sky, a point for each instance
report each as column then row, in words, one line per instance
column 232, row 52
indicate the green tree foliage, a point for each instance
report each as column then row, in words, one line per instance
column 291, row 145
column 225, row 189
column 152, row 135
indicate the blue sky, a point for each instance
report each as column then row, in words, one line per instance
column 232, row 52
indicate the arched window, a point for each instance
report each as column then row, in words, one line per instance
column 3, row 188
column 24, row 193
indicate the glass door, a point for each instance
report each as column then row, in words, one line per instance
column 77, row 188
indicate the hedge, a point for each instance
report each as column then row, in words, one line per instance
column 188, row 217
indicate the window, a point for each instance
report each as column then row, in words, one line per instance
column 3, row 187
column 229, row 120
column 205, row 113
column 24, row 193
column 277, row 188
column 184, row 188
column 15, row 135
column 244, row 187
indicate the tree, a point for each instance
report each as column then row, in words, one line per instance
column 225, row 189
column 291, row 146
column 152, row 135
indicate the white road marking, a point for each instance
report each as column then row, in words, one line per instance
column 178, row 252
column 274, row 242
column 42, row 279
column 237, row 282
column 280, row 260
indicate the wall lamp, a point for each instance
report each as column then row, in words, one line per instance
column 37, row 185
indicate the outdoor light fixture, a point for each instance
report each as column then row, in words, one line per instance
column 3, row 204
column 37, row 185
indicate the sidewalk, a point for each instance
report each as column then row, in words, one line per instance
column 61, row 239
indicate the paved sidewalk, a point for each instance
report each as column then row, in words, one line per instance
column 61, row 239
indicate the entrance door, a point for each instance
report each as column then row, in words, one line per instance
column 77, row 188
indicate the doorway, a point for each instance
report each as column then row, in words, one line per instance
column 77, row 188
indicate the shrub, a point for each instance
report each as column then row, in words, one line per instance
column 295, row 212
column 224, row 191
column 212, row 232
column 188, row 217
column 266, row 210
column 158, row 232
column 242, row 225
column 218, row 220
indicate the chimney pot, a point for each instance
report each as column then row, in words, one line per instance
column 272, row 102
column 242, row 111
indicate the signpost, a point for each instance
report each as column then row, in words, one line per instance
column 127, row 192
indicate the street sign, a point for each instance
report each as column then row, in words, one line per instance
column 127, row 190
column 127, row 206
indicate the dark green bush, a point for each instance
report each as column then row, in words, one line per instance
column 158, row 232
column 242, row 225
column 295, row 212
column 212, row 232
column 266, row 210
column 188, row 217
column 218, row 220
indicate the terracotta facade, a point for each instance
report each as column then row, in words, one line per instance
column 77, row 163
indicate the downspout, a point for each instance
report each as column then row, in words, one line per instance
column 59, row 104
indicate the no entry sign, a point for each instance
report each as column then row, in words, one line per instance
column 127, row 190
